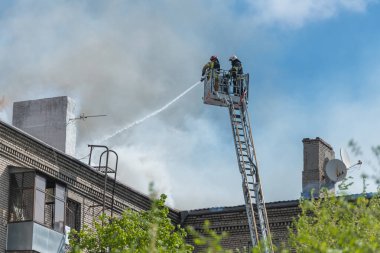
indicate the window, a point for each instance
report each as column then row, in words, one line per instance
column 37, row 197
column 49, row 205
column 39, row 214
column 59, row 210
column 73, row 214
column 21, row 196
column 54, row 208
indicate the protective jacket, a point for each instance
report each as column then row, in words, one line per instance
column 236, row 68
column 211, row 65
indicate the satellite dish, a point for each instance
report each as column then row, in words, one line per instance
column 336, row 170
column 345, row 157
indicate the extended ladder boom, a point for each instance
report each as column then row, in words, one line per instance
column 223, row 90
column 246, row 156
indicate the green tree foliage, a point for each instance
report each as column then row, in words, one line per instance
column 337, row 224
column 209, row 239
column 150, row 231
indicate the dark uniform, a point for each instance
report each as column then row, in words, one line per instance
column 235, row 71
column 236, row 68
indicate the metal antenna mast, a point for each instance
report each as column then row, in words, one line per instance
column 82, row 116
column 222, row 90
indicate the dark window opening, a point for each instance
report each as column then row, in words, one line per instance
column 73, row 213
column 49, row 206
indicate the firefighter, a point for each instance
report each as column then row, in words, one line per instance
column 213, row 64
column 235, row 71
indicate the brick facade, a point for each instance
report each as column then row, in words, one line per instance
column 316, row 154
column 85, row 186
column 233, row 220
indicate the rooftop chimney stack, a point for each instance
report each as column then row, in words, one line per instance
column 316, row 154
column 48, row 120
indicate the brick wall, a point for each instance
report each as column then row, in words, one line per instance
column 4, row 189
column 233, row 220
column 84, row 184
column 316, row 153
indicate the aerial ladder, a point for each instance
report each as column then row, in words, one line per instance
column 221, row 89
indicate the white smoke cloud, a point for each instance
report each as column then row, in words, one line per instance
column 124, row 60
column 296, row 13
column 128, row 59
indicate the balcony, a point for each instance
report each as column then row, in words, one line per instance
column 31, row 236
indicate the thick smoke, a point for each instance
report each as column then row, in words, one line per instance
column 127, row 59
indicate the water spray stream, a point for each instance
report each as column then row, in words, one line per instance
column 150, row 115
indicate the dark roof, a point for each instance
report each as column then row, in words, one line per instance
column 226, row 209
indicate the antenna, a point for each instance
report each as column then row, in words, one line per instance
column 336, row 170
column 82, row 116
column 346, row 159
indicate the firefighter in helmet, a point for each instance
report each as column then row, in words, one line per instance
column 235, row 71
column 212, row 66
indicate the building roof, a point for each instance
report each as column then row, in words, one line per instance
column 134, row 198
column 22, row 142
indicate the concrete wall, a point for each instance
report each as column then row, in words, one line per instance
column 48, row 120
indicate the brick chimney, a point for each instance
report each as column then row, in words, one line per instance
column 316, row 154
column 48, row 120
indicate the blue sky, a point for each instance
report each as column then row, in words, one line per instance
column 314, row 69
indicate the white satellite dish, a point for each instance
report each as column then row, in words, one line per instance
column 336, row 170
column 345, row 157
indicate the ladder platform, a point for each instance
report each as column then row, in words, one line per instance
column 221, row 90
